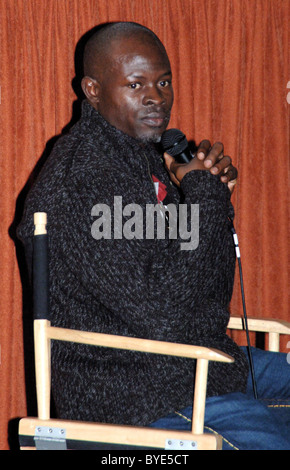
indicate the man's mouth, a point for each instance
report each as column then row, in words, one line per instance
column 156, row 119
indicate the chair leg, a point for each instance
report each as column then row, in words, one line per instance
column 199, row 396
column 42, row 367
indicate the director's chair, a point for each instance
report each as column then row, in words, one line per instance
column 44, row 433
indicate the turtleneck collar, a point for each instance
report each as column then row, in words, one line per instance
column 94, row 120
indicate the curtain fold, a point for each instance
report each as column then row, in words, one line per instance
column 230, row 61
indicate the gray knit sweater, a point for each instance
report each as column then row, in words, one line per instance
column 147, row 288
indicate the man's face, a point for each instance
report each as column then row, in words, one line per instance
column 135, row 91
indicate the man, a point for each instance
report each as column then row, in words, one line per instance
column 107, row 274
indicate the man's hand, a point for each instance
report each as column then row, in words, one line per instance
column 218, row 164
column 209, row 158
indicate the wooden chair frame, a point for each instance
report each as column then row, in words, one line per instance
column 46, row 433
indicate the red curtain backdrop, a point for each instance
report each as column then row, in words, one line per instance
column 230, row 61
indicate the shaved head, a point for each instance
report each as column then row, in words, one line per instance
column 98, row 46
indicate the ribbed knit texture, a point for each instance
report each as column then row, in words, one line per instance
column 146, row 288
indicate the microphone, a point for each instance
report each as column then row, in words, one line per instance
column 174, row 143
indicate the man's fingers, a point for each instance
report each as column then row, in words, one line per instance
column 171, row 165
column 230, row 173
column 210, row 155
column 232, row 184
column 170, row 162
column 222, row 165
column 203, row 149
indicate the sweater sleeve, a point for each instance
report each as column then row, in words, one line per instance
column 151, row 287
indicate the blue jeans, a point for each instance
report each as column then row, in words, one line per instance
column 244, row 422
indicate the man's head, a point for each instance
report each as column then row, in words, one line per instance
column 127, row 78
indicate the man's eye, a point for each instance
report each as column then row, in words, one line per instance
column 165, row 83
column 134, row 86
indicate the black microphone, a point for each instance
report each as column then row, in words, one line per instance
column 174, row 143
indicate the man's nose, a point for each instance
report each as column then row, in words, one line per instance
column 153, row 95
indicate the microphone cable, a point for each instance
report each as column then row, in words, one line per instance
column 238, row 254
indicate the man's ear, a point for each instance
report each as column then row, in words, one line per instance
column 91, row 88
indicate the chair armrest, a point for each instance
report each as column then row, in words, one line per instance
column 137, row 344
column 44, row 332
column 266, row 325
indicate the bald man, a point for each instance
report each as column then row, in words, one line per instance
column 109, row 273
column 110, row 67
